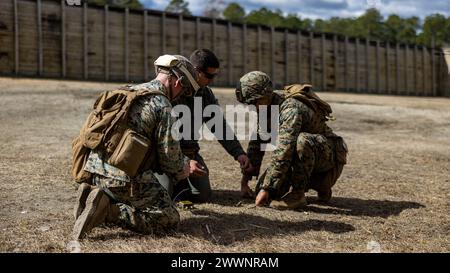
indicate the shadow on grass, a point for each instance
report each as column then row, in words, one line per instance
column 225, row 229
column 337, row 205
column 361, row 207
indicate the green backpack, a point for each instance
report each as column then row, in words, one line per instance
column 107, row 128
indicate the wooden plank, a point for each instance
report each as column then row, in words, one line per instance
column 433, row 66
column 346, row 64
column 106, row 42
column 416, row 72
column 16, row 38
column 213, row 35
column 397, row 68
column 197, row 32
column 244, row 48
column 126, row 49
column 272, row 53
column 311, row 57
column 367, row 65
column 229, row 53
column 40, row 47
column 336, row 60
column 424, row 86
column 180, row 34
column 357, row 64
column 259, row 48
column 146, row 74
column 286, row 57
column 163, row 33
column 407, row 92
column 299, row 56
column 85, row 41
column 63, row 38
column 377, row 72
column 324, row 66
column 388, row 69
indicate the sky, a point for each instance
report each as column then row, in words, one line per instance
column 325, row 9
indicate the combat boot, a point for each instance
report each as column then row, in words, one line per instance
column 294, row 199
column 94, row 214
column 324, row 196
column 83, row 191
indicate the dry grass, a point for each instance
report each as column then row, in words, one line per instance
column 394, row 190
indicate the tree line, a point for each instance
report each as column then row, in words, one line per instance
column 371, row 24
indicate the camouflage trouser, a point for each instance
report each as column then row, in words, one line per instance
column 145, row 206
column 314, row 166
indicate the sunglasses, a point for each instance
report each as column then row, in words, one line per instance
column 207, row 75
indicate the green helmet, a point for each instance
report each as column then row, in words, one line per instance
column 252, row 86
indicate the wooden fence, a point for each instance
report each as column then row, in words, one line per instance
column 49, row 39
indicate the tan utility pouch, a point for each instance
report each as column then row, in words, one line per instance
column 130, row 152
column 80, row 155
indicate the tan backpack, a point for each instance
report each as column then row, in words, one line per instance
column 304, row 93
column 107, row 128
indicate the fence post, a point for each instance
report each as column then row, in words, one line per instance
column 357, row 64
column 407, row 92
column 106, row 43
column 197, row 32
column 299, row 56
column 272, row 53
column 388, row 69
column 346, row 64
column 244, row 48
column 415, row 70
column 16, row 38
column 126, row 45
column 40, row 48
column 163, row 33
column 311, row 58
column 259, row 48
column 85, row 41
column 286, row 57
column 368, row 65
column 63, row 38
column 336, row 66
column 397, row 68
column 378, row 78
column 145, row 45
column 433, row 65
column 180, row 34
column 324, row 66
column 213, row 35
column 424, row 83
column 230, row 54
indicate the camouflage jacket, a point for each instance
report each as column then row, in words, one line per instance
column 294, row 117
column 149, row 116
column 233, row 147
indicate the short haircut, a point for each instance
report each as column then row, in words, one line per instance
column 204, row 58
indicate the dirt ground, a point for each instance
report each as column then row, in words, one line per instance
column 393, row 195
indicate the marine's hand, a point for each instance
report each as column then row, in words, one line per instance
column 262, row 198
column 251, row 170
column 246, row 191
column 196, row 170
column 243, row 161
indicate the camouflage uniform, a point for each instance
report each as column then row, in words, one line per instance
column 200, row 187
column 306, row 155
column 145, row 206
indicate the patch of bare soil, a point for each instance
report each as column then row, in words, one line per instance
column 394, row 189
